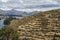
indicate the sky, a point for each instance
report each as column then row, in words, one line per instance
column 29, row 4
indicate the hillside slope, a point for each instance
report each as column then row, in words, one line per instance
column 40, row 26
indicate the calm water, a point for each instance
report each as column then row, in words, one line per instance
column 1, row 23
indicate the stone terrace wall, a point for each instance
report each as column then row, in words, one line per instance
column 41, row 28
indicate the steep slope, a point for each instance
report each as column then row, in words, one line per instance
column 40, row 26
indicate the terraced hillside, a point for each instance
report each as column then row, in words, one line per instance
column 40, row 26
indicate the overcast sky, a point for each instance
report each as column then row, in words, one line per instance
column 29, row 4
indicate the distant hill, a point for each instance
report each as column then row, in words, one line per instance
column 40, row 26
column 16, row 13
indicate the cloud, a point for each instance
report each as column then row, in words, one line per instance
column 4, row 0
column 21, row 1
column 42, row 9
column 29, row 4
column 39, row 2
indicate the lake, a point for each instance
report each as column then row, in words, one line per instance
column 1, row 23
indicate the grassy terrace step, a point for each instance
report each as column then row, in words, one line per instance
column 40, row 26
